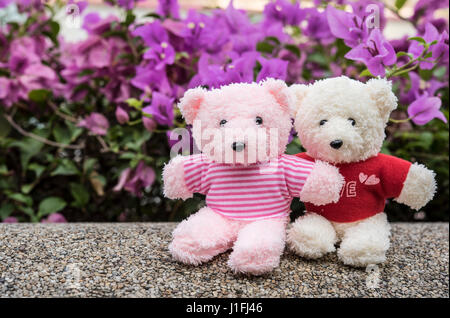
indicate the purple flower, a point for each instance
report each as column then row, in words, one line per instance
column 152, row 33
column 96, row 123
column 160, row 51
column 274, row 68
column 55, row 218
column 148, row 79
column 134, row 181
column 168, row 8
column 161, row 109
column 424, row 109
column 10, row 219
column 215, row 73
column 317, row 27
column 4, row 3
column 375, row 53
column 426, row 8
column 94, row 24
column 149, row 123
column 283, row 11
column 346, row 26
column 121, row 115
column 362, row 9
column 127, row 4
column 419, row 88
column 438, row 50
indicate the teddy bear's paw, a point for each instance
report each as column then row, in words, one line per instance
column 258, row 247
column 362, row 257
column 311, row 236
column 255, row 262
column 366, row 242
column 202, row 236
column 188, row 252
column 323, row 185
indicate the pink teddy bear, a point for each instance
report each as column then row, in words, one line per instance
column 242, row 131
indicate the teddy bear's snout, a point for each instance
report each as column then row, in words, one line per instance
column 238, row 146
column 336, row 144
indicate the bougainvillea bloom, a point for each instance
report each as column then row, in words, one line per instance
column 96, row 123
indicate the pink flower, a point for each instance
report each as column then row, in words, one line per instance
column 10, row 219
column 96, row 123
column 121, row 115
column 55, row 218
column 426, row 108
column 149, row 123
column 134, row 181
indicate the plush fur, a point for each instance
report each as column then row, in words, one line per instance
column 338, row 100
column 257, row 245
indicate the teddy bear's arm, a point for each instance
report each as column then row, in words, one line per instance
column 174, row 182
column 323, row 185
column 418, row 188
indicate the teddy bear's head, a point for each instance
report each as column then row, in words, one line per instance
column 341, row 120
column 240, row 123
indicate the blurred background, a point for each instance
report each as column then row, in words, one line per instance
column 86, row 105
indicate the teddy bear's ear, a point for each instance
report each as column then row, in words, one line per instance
column 381, row 93
column 279, row 90
column 298, row 93
column 190, row 103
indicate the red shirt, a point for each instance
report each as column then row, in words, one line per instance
column 367, row 186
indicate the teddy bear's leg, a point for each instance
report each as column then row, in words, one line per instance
column 311, row 236
column 364, row 242
column 258, row 247
column 202, row 236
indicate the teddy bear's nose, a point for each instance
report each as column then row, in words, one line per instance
column 336, row 144
column 238, row 146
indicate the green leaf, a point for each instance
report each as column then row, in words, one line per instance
column 366, row 72
column 399, row 4
column 318, row 58
column 39, row 95
column 26, row 188
column 272, row 39
column 3, row 169
column 6, row 210
column 128, row 155
column 400, row 54
column 440, row 71
column 418, row 39
column 88, row 165
column 37, row 168
column 129, row 18
column 80, row 194
column 5, row 127
column 293, row 48
column 28, row 211
column 51, row 205
column 153, row 15
column 264, row 47
column 29, row 147
column 19, row 197
column 62, row 134
column 65, row 168
column 133, row 102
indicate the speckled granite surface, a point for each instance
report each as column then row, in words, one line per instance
column 132, row 260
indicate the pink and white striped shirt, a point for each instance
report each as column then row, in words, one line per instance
column 257, row 191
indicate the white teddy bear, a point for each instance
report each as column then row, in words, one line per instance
column 342, row 121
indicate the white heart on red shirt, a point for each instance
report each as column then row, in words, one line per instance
column 362, row 177
column 372, row 180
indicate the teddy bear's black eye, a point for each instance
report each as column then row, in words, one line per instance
column 259, row 120
column 352, row 121
column 223, row 122
column 322, row 122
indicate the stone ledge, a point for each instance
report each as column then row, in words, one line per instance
column 131, row 260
